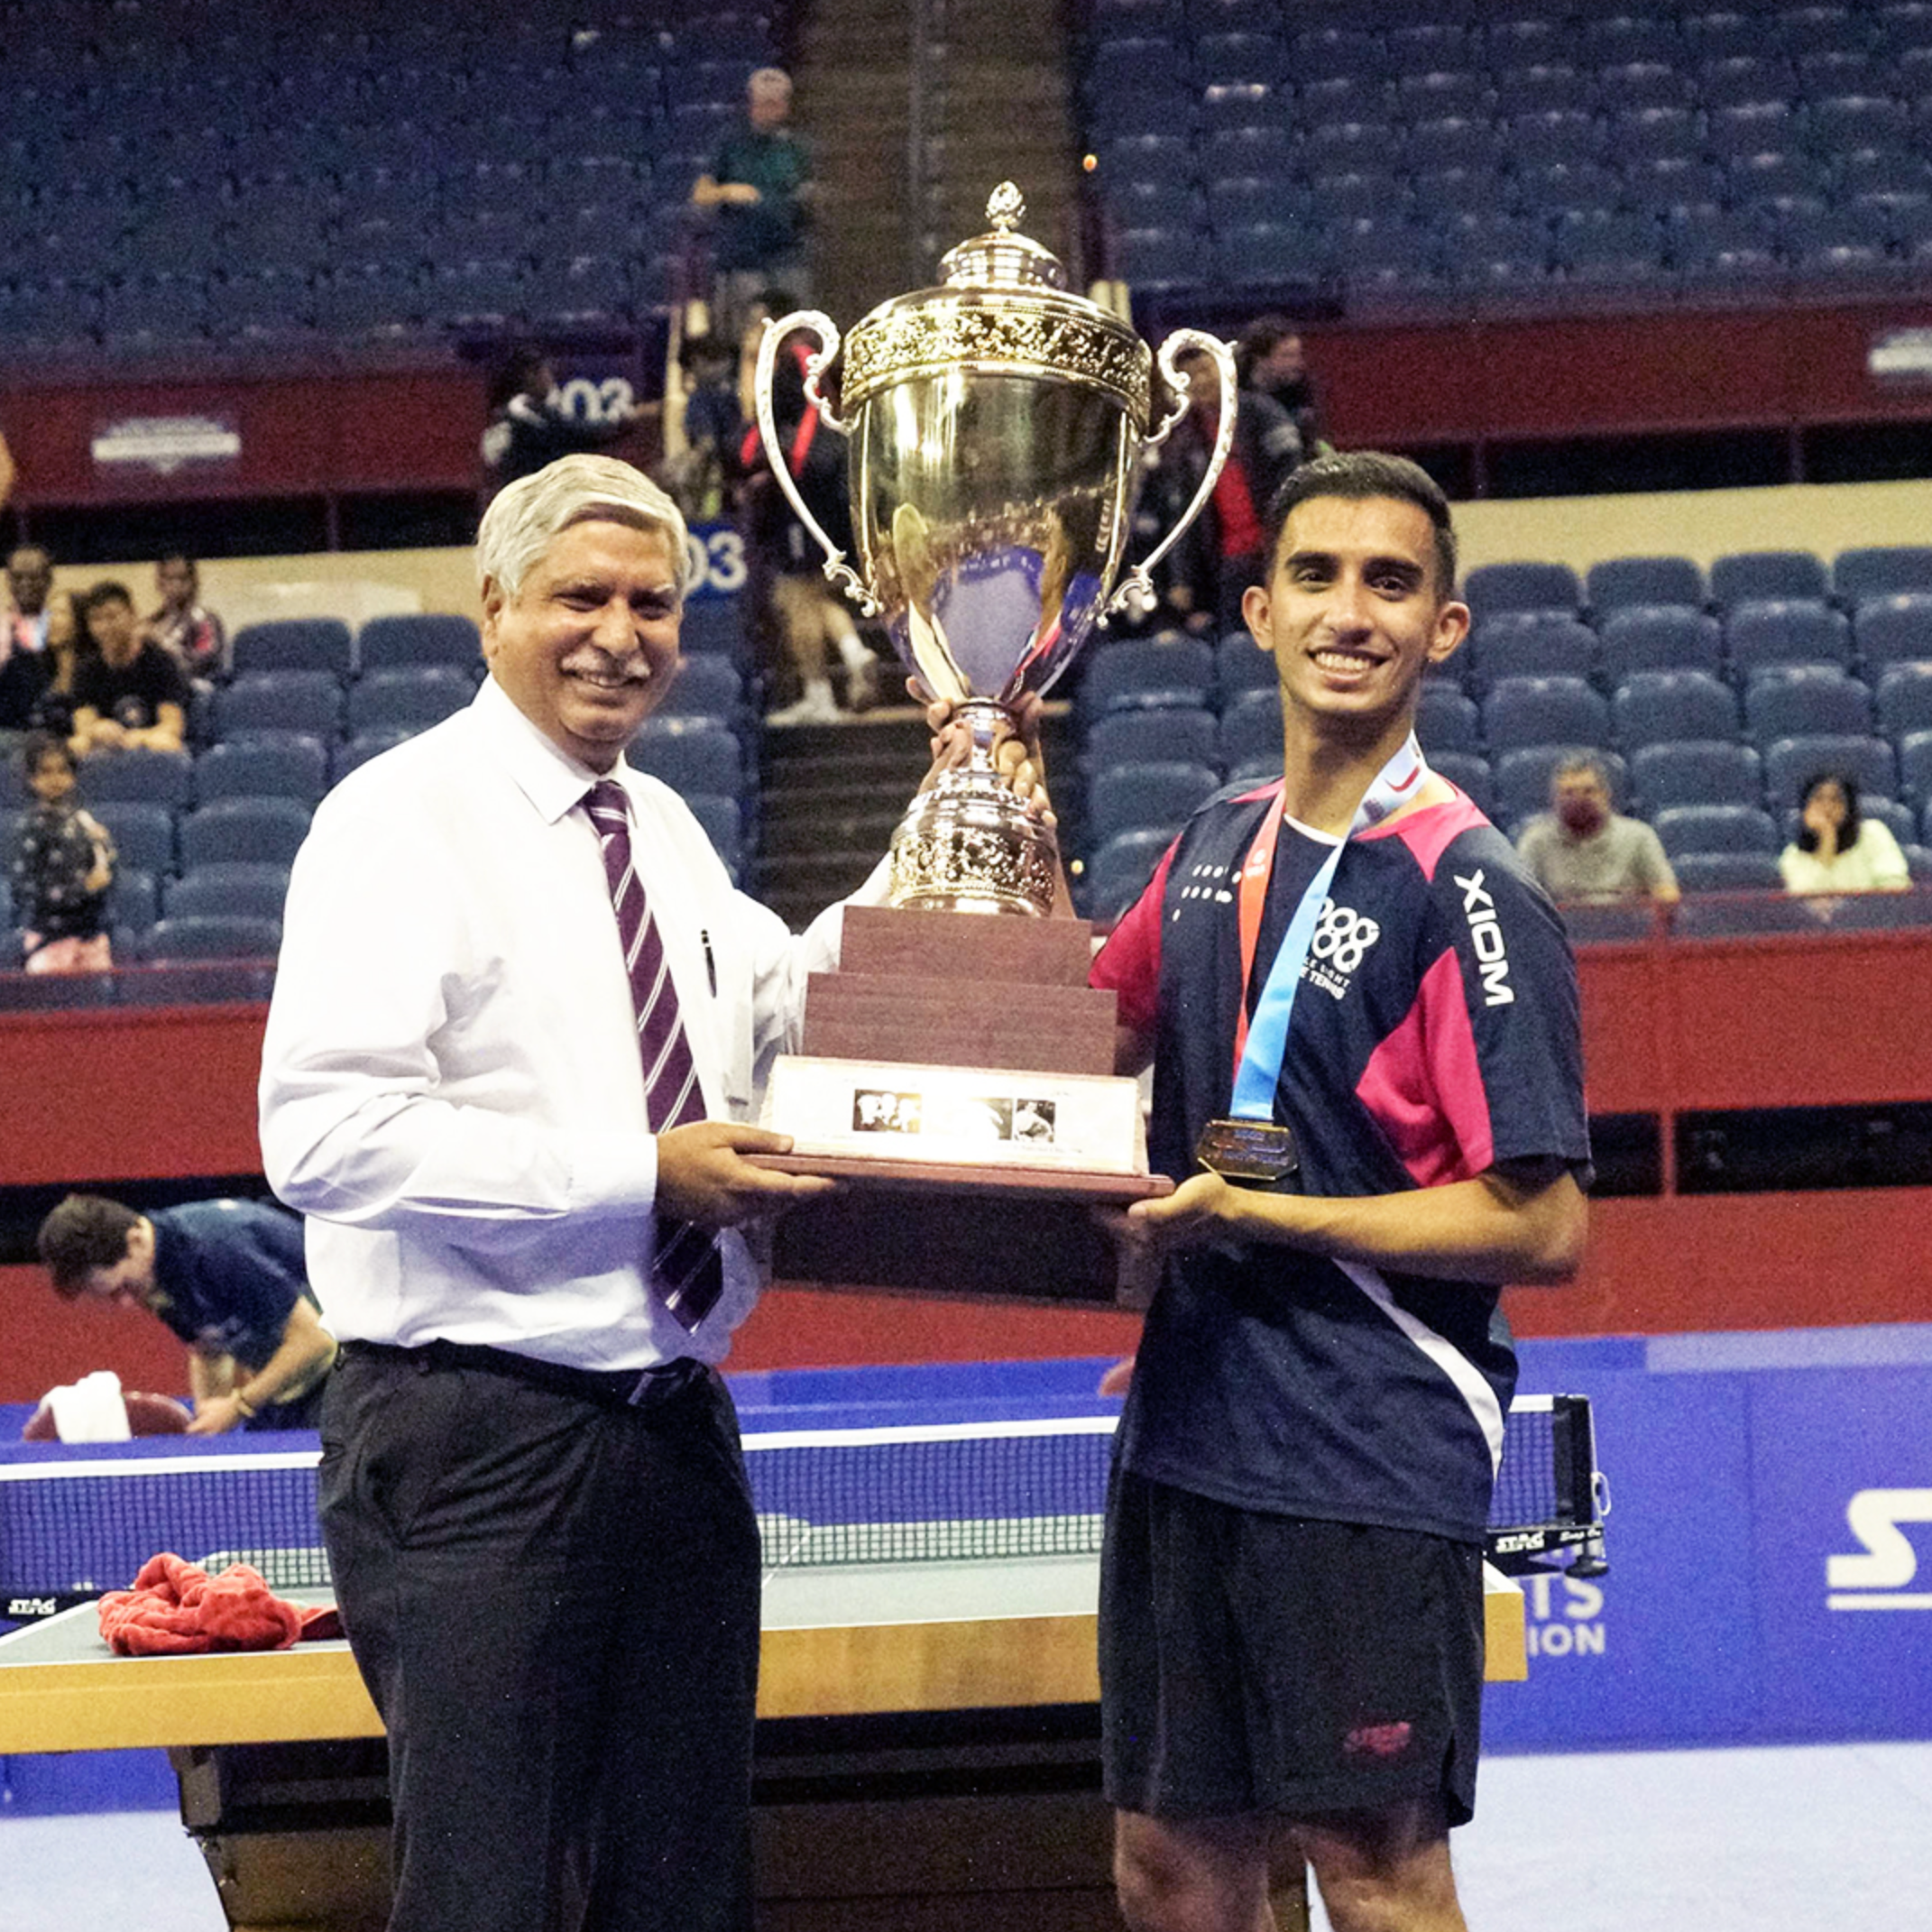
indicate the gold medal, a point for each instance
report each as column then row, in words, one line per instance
column 1252, row 1153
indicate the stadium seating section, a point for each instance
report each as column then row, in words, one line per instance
column 175, row 179
column 204, row 838
column 1709, row 712
column 1544, row 153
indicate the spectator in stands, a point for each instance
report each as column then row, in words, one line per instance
column 30, row 578
column 183, row 626
column 37, row 688
column 529, row 424
column 813, row 621
column 1270, row 360
column 1838, row 848
column 128, row 690
column 1209, row 572
column 227, row 1276
column 1582, row 851
column 62, row 867
column 7, row 473
column 704, row 475
column 759, row 181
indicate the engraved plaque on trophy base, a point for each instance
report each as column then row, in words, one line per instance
column 957, row 1077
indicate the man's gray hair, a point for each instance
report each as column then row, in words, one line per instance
column 527, row 516
column 768, row 80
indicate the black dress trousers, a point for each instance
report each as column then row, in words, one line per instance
column 553, row 1601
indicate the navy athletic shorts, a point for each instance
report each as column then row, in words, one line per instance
column 1284, row 1665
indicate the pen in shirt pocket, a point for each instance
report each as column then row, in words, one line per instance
column 711, row 963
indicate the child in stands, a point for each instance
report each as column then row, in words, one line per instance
column 63, row 865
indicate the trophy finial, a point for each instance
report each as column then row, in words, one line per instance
column 1005, row 209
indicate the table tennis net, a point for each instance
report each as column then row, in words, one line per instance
column 928, row 1492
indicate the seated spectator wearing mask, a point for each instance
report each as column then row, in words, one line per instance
column 1581, row 850
column 1838, row 850
column 128, row 690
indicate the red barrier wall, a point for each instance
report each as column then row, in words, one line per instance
column 1781, row 1021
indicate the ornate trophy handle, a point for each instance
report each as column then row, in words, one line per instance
column 1138, row 582
column 837, row 570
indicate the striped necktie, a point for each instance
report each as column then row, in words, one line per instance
column 688, row 1269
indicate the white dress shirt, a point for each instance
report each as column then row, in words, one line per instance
column 451, row 1088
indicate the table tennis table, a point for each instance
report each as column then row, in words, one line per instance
column 928, row 1748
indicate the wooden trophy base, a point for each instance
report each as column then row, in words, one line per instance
column 944, row 991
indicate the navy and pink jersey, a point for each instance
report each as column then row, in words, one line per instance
column 1436, row 1034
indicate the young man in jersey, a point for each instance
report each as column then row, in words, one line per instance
column 1292, row 1600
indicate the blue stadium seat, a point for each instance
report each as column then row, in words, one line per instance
column 1903, row 699
column 1241, row 665
column 1612, row 922
column 1619, row 582
column 1752, row 871
column 349, row 752
column 1654, row 132
column 1791, row 703
column 1693, row 773
column 1521, row 780
column 1491, row 589
column 279, row 767
column 1135, row 673
column 1893, row 629
column 1744, row 916
column 1663, row 707
column 1880, row 570
column 1771, row 632
column 707, row 685
column 1915, row 772
column 1532, row 644
column 244, row 831
column 1118, row 871
column 210, row 936
column 1146, row 798
column 1251, row 731
column 393, row 643
column 1858, row 912
column 143, row 835
column 1749, row 576
column 1520, row 712
column 1446, row 720
column 713, row 624
column 292, row 644
column 1469, row 771
column 724, row 824
column 1142, row 737
column 1791, row 763
column 1716, row 828
column 254, row 891
column 133, row 900
column 306, row 703
column 1658, row 637
column 689, row 755
column 137, row 775
column 407, row 698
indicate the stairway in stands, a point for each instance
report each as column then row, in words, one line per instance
column 832, row 794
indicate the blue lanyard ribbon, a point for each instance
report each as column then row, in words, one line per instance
column 1258, row 1069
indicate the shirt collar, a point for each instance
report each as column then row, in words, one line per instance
column 552, row 780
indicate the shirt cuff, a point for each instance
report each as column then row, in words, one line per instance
column 613, row 1172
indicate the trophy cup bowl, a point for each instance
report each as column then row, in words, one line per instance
column 997, row 426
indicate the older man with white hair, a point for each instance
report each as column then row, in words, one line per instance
column 759, row 181
column 518, row 1027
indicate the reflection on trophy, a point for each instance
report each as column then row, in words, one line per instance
column 997, row 424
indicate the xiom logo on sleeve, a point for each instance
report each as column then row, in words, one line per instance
column 1874, row 1579
column 1486, row 934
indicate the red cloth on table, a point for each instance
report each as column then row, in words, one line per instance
column 176, row 1606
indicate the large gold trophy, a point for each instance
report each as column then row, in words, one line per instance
column 998, row 427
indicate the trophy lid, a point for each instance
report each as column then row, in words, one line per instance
column 1002, row 258
column 1003, row 308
